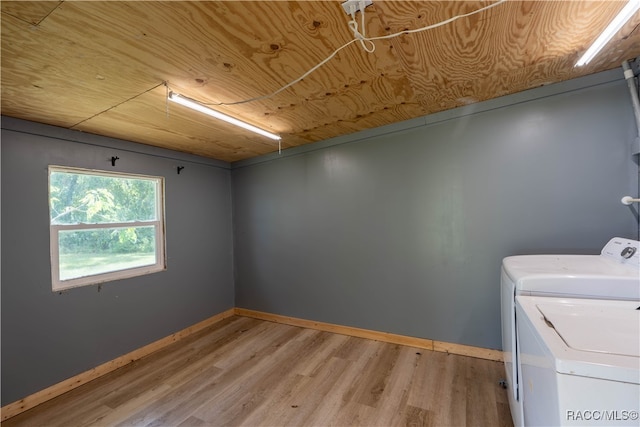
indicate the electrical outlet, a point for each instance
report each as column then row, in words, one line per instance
column 349, row 3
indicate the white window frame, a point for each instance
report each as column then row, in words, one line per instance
column 55, row 229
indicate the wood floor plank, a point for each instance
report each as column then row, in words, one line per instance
column 354, row 414
column 333, row 403
column 380, row 367
column 453, row 382
column 315, row 361
column 204, row 396
column 257, row 388
column 482, row 407
column 177, row 358
column 177, row 401
column 395, row 395
column 117, row 415
column 416, row 417
column 298, row 405
column 428, row 367
column 249, row 372
column 193, row 422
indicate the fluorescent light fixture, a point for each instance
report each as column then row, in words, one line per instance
column 190, row 103
column 623, row 16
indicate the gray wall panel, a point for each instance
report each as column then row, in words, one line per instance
column 405, row 232
column 47, row 337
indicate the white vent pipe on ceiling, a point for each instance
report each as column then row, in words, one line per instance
column 633, row 89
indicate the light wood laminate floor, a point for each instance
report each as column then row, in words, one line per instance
column 243, row 371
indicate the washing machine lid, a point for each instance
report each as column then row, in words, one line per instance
column 594, row 338
column 596, row 328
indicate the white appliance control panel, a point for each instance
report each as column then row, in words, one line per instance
column 625, row 251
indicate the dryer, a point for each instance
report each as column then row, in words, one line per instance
column 580, row 361
column 613, row 274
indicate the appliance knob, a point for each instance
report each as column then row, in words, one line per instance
column 628, row 252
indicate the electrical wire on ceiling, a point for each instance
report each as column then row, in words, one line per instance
column 369, row 47
column 367, row 44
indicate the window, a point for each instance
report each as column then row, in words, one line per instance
column 104, row 226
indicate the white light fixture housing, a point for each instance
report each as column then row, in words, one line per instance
column 621, row 18
column 194, row 105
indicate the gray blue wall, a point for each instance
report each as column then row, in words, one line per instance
column 49, row 337
column 403, row 229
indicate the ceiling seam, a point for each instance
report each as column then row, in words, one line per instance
column 50, row 12
column 118, row 104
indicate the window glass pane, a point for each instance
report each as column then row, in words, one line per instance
column 97, row 199
column 102, row 250
column 104, row 226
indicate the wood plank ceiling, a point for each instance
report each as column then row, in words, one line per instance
column 100, row 66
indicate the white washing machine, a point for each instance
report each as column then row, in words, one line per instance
column 580, row 361
column 614, row 274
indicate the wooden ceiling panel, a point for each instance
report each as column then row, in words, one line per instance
column 350, row 102
column 102, row 66
column 65, row 69
column 471, row 60
column 329, row 129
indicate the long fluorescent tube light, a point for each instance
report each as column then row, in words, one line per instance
column 623, row 16
column 190, row 103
